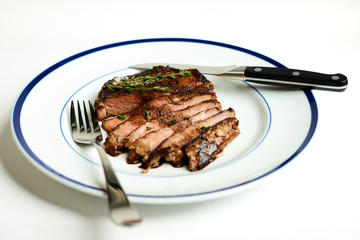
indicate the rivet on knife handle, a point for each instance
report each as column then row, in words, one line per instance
column 296, row 78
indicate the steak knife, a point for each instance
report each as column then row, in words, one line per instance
column 267, row 75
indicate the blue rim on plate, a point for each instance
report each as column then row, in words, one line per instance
column 22, row 97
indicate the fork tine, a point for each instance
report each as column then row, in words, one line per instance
column 87, row 121
column 72, row 116
column 93, row 118
column 81, row 122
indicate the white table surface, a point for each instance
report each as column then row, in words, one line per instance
column 316, row 196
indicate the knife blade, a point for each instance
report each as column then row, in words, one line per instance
column 266, row 75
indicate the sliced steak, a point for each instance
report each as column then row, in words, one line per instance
column 118, row 137
column 152, row 104
column 143, row 130
column 145, row 145
column 122, row 95
column 203, row 149
column 164, row 103
column 164, row 115
column 179, row 103
column 113, row 144
column 170, row 119
column 171, row 148
column 111, row 122
column 159, row 123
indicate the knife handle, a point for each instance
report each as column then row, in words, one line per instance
column 296, row 78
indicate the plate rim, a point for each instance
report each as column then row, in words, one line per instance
column 21, row 142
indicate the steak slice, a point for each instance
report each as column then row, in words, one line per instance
column 171, row 148
column 122, row 95
column 183, row 102
column 203, row 150
column 111, row 122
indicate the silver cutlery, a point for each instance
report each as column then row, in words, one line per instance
column 267, row 75
column 86, row 130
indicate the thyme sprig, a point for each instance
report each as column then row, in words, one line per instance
column 141, row 83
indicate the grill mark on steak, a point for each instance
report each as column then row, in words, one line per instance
column 121, row 101
column 203, row 150
column 171, row 148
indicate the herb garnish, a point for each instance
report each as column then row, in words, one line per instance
column 172, row 122
column 203, row 128
column 185, row 73
column 121, row 117
column 129, row 89
column 142, row 89
column 140, row 83
column 111, row 88
column 147, row 116
column 148, row 128
column 165, row 89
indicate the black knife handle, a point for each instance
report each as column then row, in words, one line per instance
column 296, row 78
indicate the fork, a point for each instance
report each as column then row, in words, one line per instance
column 86, row 130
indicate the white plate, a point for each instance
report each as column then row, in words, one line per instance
column 276, row 123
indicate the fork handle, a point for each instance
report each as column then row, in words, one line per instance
column 121, row 210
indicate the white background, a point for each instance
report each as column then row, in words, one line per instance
column 317, row 196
